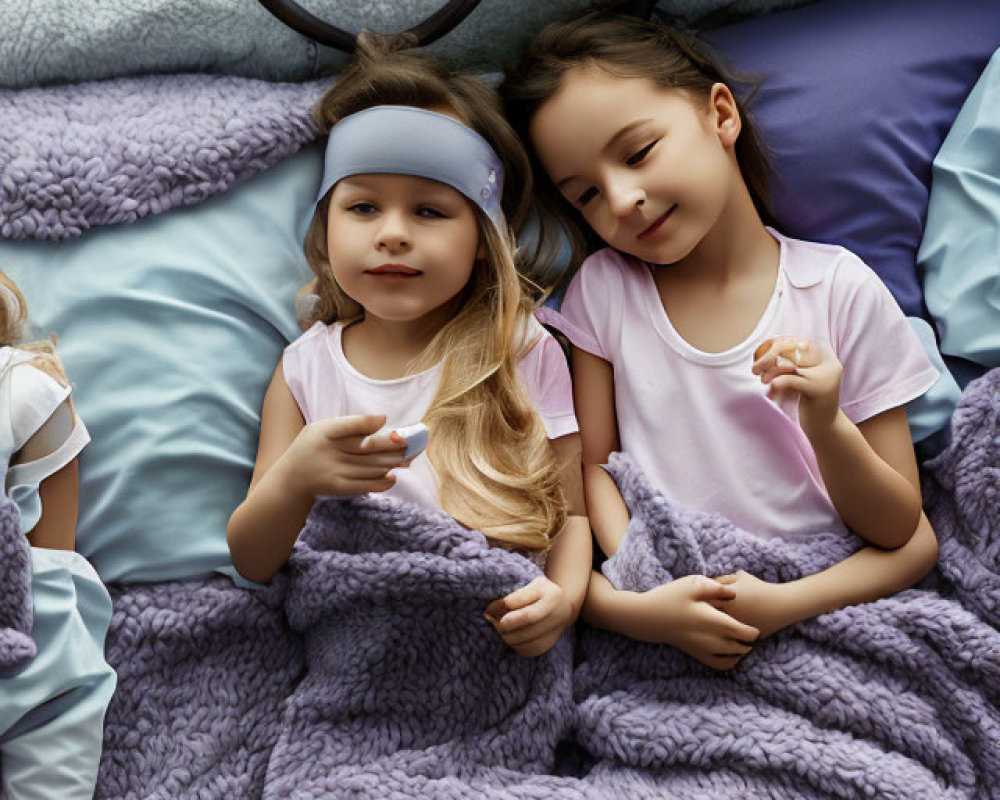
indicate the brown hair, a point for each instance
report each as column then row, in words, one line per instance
column 497, row 469
column 13, row 319
column 627, row 47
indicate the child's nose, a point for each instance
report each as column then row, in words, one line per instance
column 393, row 233
column 624, row 197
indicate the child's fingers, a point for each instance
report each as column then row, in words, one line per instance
column 718, row 623
column 380, row 442
column 795, row 383
column 726, row 648
column 536, row 647
column 721, row 663
column 780, row 366
column 529, row 633
column 526, row 615
column 714, row 589
column 355, row 472
column 496, row 610
column 386, row 460
column 355, row 425
column 786, row 351
column 531, row 593
column 739, row 632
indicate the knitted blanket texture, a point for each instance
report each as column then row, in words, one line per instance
column 408, row 689
column 203, row 670
column 78, row 156
column 892, row 699
column 371, row 673
column 16, row 644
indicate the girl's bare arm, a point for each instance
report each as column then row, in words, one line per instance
column 594, row 399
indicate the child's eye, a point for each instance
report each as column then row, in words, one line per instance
column 586, row 197
column 638, row 157
column 362, row 208
column 430, row 213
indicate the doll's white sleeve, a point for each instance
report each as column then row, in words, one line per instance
column 40, row 413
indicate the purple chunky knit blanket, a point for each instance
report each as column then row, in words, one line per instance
column 408, row 690
column 370, row 672
column 78, row 156
column 16, row 644
column 894, row 699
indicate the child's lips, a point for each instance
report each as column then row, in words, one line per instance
column 656, row 225
column 394, row 271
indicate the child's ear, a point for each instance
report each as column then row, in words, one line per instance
column 726, row 114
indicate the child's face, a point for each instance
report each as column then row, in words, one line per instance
column 650, row 169
column 399, row 245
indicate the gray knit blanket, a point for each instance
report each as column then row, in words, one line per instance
column 368, row 671
column 892, row 699
column 16, row 613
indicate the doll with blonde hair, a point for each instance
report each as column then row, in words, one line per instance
column 421, row 315
column 52, row 704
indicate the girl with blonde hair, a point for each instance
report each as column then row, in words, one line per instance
column 421, row 315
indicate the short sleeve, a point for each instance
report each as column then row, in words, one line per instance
column 584, row 315
column 40, row 414
column 545, row 374
column 885, row 365
column 35, row 396
column 296, row 362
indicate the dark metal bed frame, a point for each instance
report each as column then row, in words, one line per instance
column 431, row 29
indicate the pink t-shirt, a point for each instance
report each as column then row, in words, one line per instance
column 324, row 384
column 700, row 424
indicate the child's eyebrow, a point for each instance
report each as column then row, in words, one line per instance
column 624, row 132
column 610, row 143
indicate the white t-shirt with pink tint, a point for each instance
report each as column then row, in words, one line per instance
column 701, row 425
column 324, row 384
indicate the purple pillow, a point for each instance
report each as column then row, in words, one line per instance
column 856, row 99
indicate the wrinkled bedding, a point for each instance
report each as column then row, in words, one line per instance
column 900, row 697
column 371, row 668
column 79, row 156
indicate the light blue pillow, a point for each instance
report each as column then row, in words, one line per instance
column 960, row 252
column 170, row 329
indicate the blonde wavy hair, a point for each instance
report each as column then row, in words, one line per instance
column 13, row 320
column 497, row 468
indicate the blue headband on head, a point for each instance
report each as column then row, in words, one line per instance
column 404, row 140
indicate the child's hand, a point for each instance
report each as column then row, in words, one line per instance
column 789, row 363
column 682, row 614
column 765, row 606
column 531, row 619
column 327, row 457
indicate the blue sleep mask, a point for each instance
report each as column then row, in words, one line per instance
column 404, row 140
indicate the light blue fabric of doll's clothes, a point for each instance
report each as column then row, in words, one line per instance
column 51, row 705
column 960, row 251
column 52, row 708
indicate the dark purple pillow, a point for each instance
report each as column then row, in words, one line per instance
column 856, row 99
